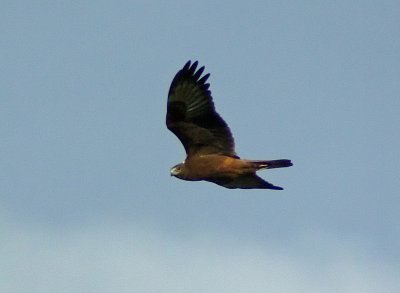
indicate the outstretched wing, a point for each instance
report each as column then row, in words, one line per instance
column 248, row 181
column 191, row 114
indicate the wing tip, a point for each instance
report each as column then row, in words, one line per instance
column 273, row 187
column 191, row 69
column 187, row 65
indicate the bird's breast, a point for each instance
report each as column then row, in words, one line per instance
column 206, row 166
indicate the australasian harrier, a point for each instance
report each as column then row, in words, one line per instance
column 209, row 145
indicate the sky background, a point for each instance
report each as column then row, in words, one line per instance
column 86, row 200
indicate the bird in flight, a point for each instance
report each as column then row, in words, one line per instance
column 207, row 139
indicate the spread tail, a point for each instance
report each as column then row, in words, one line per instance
column 271, row 164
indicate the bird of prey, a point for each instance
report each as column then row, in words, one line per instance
column 207, row 139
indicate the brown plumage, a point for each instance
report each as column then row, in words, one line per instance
column 206, row 137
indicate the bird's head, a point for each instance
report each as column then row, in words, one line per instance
column 177, row 170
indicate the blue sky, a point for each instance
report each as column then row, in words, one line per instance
column 86, row 200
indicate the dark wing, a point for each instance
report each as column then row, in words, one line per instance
column 249, row 181
column 191, row 114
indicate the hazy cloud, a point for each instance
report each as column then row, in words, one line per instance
column 119, row 258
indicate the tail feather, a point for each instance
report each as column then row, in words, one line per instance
column 271, row 164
